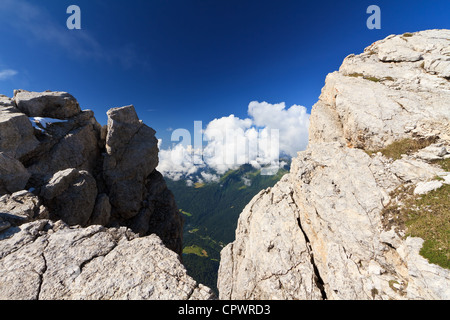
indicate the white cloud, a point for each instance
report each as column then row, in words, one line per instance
column 271, row 131
column 8, row 73
column 37, row 26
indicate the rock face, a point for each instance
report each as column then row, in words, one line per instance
column 16, row 131
column 43, row 260
column 319, row 233
column 83, row 212
column 59, row 105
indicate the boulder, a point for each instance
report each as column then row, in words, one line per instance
column 323, row 232
column 48, row 104
column 70, row 196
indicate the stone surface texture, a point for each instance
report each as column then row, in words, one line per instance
column 318, row 233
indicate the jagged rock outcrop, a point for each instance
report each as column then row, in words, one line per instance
column 16, row 132
column 83, row 212
column 385, row 94
column 45, row 260
column 321, row 233
column 82, row 172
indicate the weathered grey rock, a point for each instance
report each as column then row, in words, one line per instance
column 159, row 214
column 22, row 207
column 13, row 175
column 132, row 154
column 48, row 104
column 44, row 260
column 70, row 196
column 425, row 187
column 16, row 131
column 332, row 201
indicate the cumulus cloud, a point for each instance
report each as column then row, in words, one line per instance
column 271, row 131
column 6, row 74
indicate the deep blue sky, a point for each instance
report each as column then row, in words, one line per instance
column 180, row 60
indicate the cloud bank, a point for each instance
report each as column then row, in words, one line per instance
column 270, row 131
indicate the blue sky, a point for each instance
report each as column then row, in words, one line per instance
column 179, row 61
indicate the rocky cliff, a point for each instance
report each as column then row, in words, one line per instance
column 334, row 227
column 84, row 214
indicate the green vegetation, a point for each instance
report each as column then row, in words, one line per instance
column 405, row 146
column 211, row 213
column 425, row 216
column 407, row 35
column 355, row 75
column 370, row 78
column 429, row 219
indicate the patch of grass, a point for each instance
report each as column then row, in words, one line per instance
column 443, row 163
column 199, row 185
column 370, row 78
column 185, row 213
column 199, row 251
column 407, row 35
column 425, row 216
column 405, row 146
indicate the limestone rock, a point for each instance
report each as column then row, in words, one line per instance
column 377, row 96
column 16, row 132
column 70, row 195
column 13, row 175
column 48, row 104
column 21, row 207
column 72, row 144
column 46, row 260
column 132, row 154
